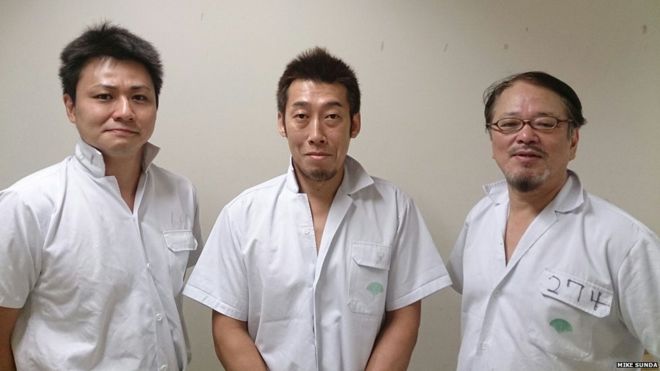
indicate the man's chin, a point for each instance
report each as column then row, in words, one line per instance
column 525, row 182
column 320, row 175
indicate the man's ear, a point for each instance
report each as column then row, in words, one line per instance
column 575, row 138
column 281, row 127
column 356, row 124
column 70, row 106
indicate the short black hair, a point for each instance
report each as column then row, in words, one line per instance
column 541, row 79
column 317, row 64
column 107, row 40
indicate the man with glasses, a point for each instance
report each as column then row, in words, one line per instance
column 552, row 277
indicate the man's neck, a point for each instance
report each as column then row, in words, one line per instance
column 535, row 200
column 323, row 191
column 524, row 207
column 320, row 196
column 127, row 171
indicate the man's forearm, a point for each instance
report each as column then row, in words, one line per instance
column 8, row 317
column 397, row 338
column 6, row 359
column 234, row 346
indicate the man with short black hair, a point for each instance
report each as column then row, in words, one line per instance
column 94, row 249
column 324, row 267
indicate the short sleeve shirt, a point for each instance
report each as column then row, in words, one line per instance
column 317, row 311
column 580, row 292
column 99, row 285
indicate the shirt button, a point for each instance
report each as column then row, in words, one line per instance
column 159, row 317
column 483, row 346
column 148, row 265
column 163, row 368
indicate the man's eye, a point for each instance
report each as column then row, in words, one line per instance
column 546, row 123
column 140, row 98
column 300, row 116
column 103, row 96
column 508, row 123
column 332, row 116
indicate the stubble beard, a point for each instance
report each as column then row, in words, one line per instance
column 319, row 175
column 526, row 183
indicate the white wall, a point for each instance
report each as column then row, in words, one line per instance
column 422, row 65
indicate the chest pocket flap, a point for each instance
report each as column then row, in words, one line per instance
column 180, row 240
column 371, row 255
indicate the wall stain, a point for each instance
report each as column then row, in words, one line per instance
column 445, row 48
column 644, row 29
column 506, row 46
column 382, row 45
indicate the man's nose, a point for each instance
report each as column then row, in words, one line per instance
column 317, row 133
column 123, row 110
column 527, row 134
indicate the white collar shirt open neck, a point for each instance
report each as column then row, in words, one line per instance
column 580, row 292
column 99, row 285
column 317, row 311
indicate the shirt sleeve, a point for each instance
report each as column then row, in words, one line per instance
column 639, row 291
column 219, row 279
column 455, row 264
column 417, row 270
column 20, row 246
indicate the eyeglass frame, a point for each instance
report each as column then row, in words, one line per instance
column 495, row 125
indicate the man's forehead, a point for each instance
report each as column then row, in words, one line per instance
column 103, row 69
column 106, row 61
column 317, row 83
column 302, row 89
column 522, row 93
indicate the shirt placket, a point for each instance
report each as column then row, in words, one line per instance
column 498, row 272
column 164, row 346
column 336, row 215
column 307, row 239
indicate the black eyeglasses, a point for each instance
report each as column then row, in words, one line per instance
column 512, row 125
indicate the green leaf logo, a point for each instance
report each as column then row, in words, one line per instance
column 561, row 325
column 375, row 288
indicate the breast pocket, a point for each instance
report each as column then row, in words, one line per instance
column 179, row 243
column 368, row 274
column 568, row 309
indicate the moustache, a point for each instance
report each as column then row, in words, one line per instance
column 529, row 150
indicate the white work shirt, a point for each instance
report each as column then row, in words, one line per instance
column 99, row 285
column 580, row 292
column 309, row 311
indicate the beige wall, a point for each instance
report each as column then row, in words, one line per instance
column 423, row 66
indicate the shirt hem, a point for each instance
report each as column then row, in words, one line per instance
column 206, row 299
column 420, row 293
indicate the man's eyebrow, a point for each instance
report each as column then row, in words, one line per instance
column 331, row 103
column 300, row 104
column 114, row 87
column 538, row 114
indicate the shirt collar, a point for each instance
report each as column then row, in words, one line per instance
column 355, row 177
column 570, row 197
column 92, row 159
